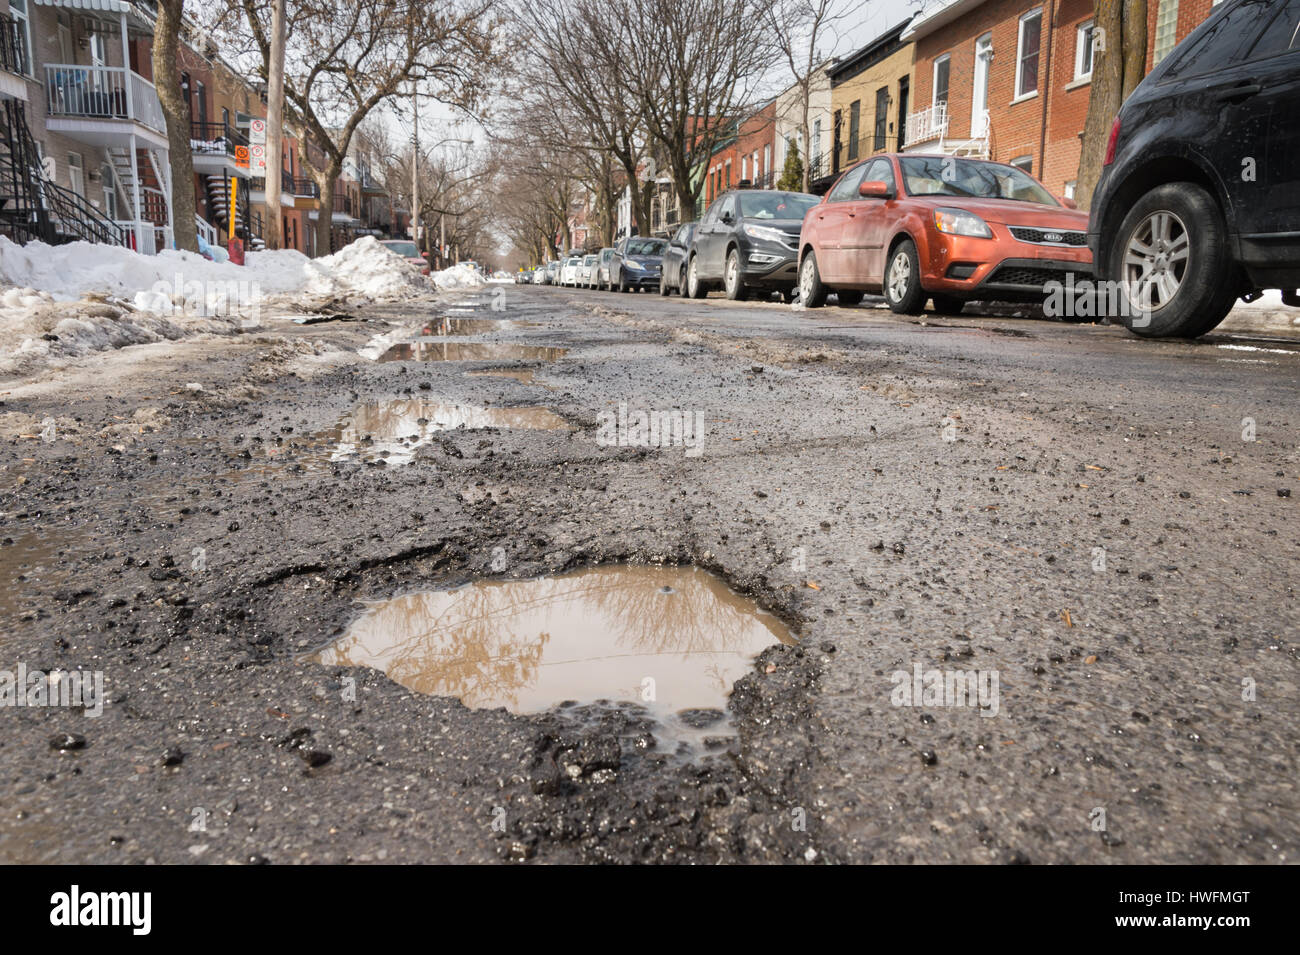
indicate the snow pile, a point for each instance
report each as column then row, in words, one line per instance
column 366, row 267
column 458, row 276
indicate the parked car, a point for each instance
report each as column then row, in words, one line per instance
column 673, row 275
column 1198, row 202
column 587, row 270
column 407, row 250
column 748, row 239
column 569, row 273
column 637, row 262
column 603, row 280
column 939, row 227
column 552, row 276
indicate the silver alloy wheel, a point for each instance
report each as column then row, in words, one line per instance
column 1156, row 260
column 692, row 279
column 900, row 274
column 806, row 277
column 733, row 271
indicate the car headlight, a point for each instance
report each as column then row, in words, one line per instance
column 633, row 265
column 766, row 233
column 961, row 222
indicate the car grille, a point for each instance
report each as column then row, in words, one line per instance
column 1023, row 275
column 1057, row 236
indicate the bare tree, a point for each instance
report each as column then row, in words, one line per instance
column 166, row 44
column 796, row 26
column 343, row 60
column 1119, row 63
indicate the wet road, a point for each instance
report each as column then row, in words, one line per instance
column 1072, row 518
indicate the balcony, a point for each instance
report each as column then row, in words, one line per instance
column 301, row 187
column 215, row 139
column 927, row 124
column 99, row 94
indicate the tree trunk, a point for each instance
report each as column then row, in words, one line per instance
column 325, row 214
column 1119, row 62
column 166, row 40
column 275, row 130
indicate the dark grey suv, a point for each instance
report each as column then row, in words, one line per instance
column 1199, row 198
column 749, row 239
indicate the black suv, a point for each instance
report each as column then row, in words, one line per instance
column 674, row 273
column 1199, row 198
column 749, row 238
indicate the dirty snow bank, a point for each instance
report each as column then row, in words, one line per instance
column 65, row 301
column 458, row 276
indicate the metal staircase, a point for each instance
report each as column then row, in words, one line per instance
column 31, row 207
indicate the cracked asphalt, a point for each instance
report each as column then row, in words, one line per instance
column 1071, row 509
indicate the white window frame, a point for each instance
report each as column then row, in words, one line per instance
column 1024, row 163
column 1035, row 14
column 934, row 77
column 20, row 11
column 1084, row 37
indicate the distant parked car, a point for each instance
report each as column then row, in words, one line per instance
column 1177, row 225
column 936, row 227
column 407, row 250
column 553, row 272
column 569, row 274
column 603, row 280
column 588, row 270
column 748, row 239
column 637, row 263
column 673, row 275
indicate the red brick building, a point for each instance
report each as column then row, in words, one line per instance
column 1010, row 79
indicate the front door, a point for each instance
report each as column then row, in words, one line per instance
column 866, row 228
column 832, row 216
column 979, row 115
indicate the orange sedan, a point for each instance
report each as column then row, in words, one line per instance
column 943, row 228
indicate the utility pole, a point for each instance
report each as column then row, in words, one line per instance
column 275, row 130
column 415, row 167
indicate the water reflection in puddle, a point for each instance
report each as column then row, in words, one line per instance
column 393, row 430
column 672, row 639
column 470, row 351
column 526, row 376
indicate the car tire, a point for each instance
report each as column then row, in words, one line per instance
column 681, row 282
column 694, row 287
column 663, row 284
column 732, row 281
column 811, row 290
column 947, row 304
column 850, row 296
column 902, row 281
column 1198, row 287
column 622, row 281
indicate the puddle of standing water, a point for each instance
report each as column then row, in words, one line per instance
column 523, row 375
column 394, row 429
column 671, row 639
column 470, row 351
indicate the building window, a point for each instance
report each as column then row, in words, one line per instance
column 1031, row 34
column 855, row 111
column 1166, row 30
column 18, row 10
column 767, row 158
column 1083, row 51
column 1024, row 162
column 76, row 174
column 816, row 138
column 941, row 66
column 1070, row 187
column 882, row 117
column 110, row 190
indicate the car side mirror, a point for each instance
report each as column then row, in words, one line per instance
column 1069, row 203
column 727, row 218
column 874, row 189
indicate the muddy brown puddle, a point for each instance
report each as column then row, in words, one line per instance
column 672, row 639
column 470, row 351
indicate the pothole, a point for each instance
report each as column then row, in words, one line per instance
column 672, row 640
column 525, row 376
column 470, row 351
column 394, row 429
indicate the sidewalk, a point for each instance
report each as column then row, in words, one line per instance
column 1264, row 316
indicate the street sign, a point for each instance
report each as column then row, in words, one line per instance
column 257, row 159
column 257, row 131
column 241, row 157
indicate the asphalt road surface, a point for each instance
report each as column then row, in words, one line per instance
column 1101, row 529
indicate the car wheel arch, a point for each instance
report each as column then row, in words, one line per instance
column 1150, row 175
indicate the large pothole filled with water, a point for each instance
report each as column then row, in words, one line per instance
column 469, row 351
column 672, row 640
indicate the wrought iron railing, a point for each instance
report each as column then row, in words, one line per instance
column 215, row 139
column 13, row 51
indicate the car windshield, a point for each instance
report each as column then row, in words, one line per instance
column 588, row 260
column 775, row 205
column 946, row 176
column 572, row 262
column 403, row 248
column 646, row 247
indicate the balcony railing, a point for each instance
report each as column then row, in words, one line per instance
column 102, row 92
column 13, row 51
column 927, row 124
column 215, row 139
column 301, row 186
